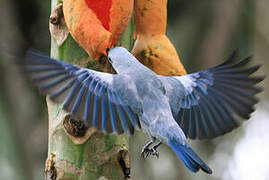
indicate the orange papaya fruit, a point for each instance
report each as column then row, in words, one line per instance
column 152, row 47
column 158, row 53
column 150, row 16
column 97, row 24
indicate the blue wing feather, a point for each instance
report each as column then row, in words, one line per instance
column 78, row 100
column 113, row 118
column 88, row 107
column 71, row 95
column 203, row 131
column 190, row 122
column 209, row 117
column 195, row 116
column 131, row 116
column 215, row 98
column 42, row 68
column 53, row 83
column 49, row 75
column 59, row 91
column 95, row 111
column 122, row 118
column 104, row 115
column 86, row 94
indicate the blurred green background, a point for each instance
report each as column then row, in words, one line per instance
column 204, row 33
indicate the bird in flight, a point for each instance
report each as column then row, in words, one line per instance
column 169, row 109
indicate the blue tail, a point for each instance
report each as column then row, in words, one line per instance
column 189, row 157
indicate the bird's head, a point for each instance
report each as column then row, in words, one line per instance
column 121, row 59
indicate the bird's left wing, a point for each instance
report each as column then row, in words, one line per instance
column 207, row 104
column 87, row 94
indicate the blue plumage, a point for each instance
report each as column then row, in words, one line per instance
column 200, row 105
column 113, row 118
column 87, row 107
column 53, row 83
column 61, row 90
column 122, row 118
column 130, row 115
column 189, row 157
column 78, row 100
column 81, row 81
column 222, row 93
column 104, row 115
column 71, row 95
column 95, row 112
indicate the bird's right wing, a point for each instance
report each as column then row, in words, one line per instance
column 87, row 94
column 206, row 104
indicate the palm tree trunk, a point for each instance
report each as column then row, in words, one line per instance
column 75, row 152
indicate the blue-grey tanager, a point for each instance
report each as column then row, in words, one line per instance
column 201, row 105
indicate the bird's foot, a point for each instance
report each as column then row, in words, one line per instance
column 149, row 151
column 146, row 151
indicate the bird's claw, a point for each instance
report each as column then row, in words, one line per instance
column 154, row 152
column 149, row 151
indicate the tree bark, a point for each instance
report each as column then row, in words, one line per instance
column 75, row 152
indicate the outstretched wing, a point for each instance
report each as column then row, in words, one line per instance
column 87, row 94
column 207, row 104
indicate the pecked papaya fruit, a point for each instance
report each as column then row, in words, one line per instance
column 97, row 25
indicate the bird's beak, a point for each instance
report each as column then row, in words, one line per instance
column 107, row 50
column 109, row 59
